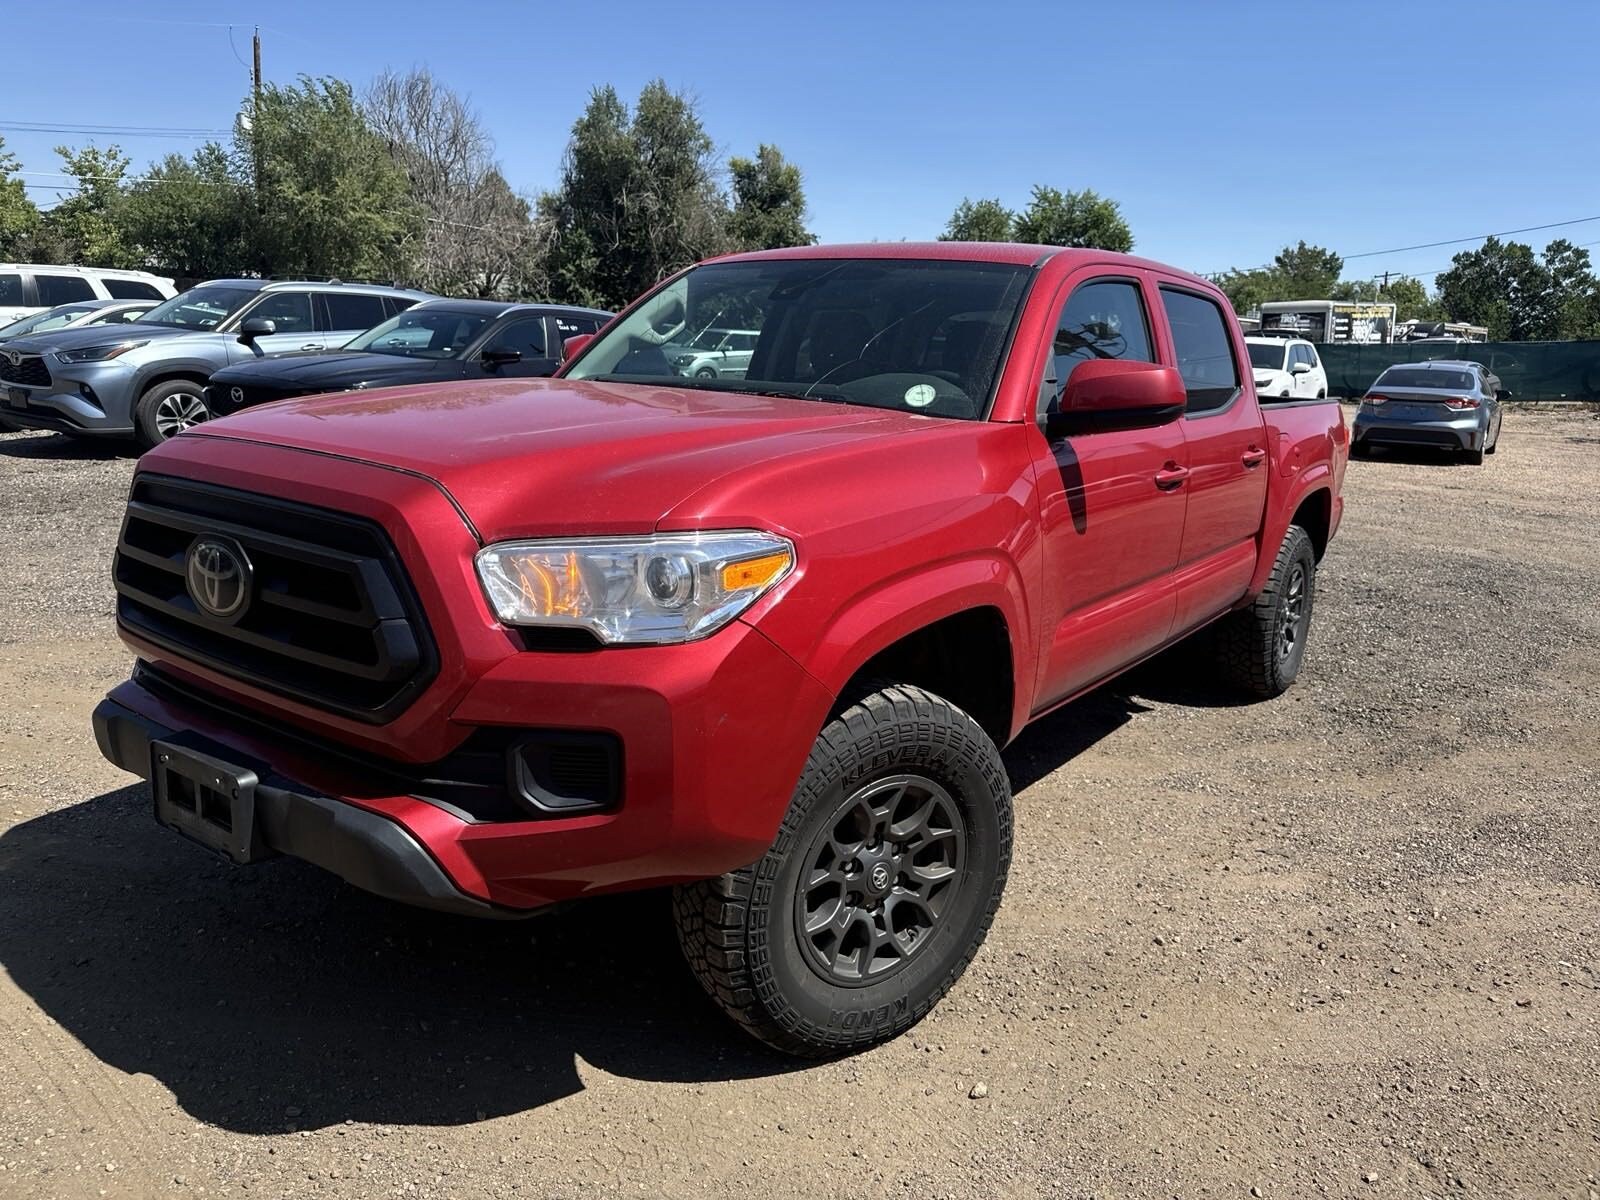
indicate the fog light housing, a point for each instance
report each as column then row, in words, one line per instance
column 567, row 773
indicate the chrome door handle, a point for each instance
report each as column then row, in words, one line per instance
column 1171, row 477
column 1253, row 458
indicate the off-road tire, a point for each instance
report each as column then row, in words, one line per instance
column 741, row 933
column 145, row 420
column 1250, row 644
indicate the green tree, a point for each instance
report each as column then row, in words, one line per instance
column 87, row 226
column 190, row 216
column 1411, row 300
column 980, row 221
column 1521, row 296
column 19, row 217
column 769, row 202
column 637, row 200
column 333, row 200
column 1304, row 272
column 1057, row 218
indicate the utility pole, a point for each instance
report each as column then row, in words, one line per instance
column 1386, row 281
column 255, row 116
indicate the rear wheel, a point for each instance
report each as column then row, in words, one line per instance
column 1475, row 457
column 880, row 887
column 1261, row 648
column 167, row 409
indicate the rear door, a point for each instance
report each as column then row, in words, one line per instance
column 1226, row 441
column 1111, row 515
column 345, row 314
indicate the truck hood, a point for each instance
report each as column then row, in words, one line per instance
column 549, row 457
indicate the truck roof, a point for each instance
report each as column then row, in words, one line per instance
column 1011, row 253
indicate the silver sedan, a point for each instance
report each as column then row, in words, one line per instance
column 1450, row 404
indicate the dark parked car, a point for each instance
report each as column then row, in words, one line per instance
column 434, row 341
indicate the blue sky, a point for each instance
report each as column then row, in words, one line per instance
column 1225, row 129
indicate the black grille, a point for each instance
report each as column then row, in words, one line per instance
column 331, row 620
column 29, row 370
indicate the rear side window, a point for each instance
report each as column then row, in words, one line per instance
column 1101, row 320
column 11, row 289
column 62, row 289
column 1204, row 349
column 573, row 326
column 353, row 311
column 130, row 289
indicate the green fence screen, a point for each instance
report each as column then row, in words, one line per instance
column 1530, row 370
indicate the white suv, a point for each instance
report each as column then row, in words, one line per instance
column 1286, row 369
column 30, row 287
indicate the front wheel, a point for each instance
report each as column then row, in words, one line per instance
column 1261, row 648
column 880, row 887
column 706, row 373
column 167, row 409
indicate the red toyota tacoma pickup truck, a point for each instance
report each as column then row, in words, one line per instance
column 490, row 646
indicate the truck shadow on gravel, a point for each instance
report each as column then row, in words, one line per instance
column 275, row 996
column 60, row 447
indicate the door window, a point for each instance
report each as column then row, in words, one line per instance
column 11, row 289
column 1204, row 349
column 289, row 311
column 526, row 335
column 1101, row 320
column 130, row 289
column 62, row 289
column 573, row 326
column 348, row 310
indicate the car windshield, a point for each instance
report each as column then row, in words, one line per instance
column 423, row 333
column 41, row 322
column 917, row 335
column 1268, row 358
column 200, row 308
column 1426, row 377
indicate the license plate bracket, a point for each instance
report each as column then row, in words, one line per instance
column 207, row 799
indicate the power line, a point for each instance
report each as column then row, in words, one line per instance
column 121, row 131
column 1431, row 245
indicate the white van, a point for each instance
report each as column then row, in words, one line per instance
column 32, row 287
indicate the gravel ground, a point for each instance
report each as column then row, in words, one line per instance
column 1343, row 943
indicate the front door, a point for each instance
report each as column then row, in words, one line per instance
column 1112, row 506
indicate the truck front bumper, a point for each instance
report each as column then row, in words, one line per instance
column 369, row 851
column 709, row 750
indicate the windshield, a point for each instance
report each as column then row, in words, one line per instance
column 40, row 322
column 423, row 333
column 200, row 308
column 922, row 336
column 1426, row 377
column 1268, row 358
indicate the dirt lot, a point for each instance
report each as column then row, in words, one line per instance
column 1339, row 944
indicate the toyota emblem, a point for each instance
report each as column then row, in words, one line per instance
column 15, row 357
column 218, row 575
column 880, row 877
column 236, row 394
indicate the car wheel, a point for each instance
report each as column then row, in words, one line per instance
column 880, row 887
column 1494, row 445
column 706, row 373
column 167, row 409
column 1475, row 457
column 1260, row 648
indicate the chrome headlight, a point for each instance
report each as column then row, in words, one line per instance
column 671, row 587
column 98, row 353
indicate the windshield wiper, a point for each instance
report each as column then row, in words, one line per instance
column 737, row 386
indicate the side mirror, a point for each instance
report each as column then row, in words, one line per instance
column 255, row 327
column 573, row 346
column 1300, row 368
column 500, row 356
column 1502, row 393
column 1117, row 393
